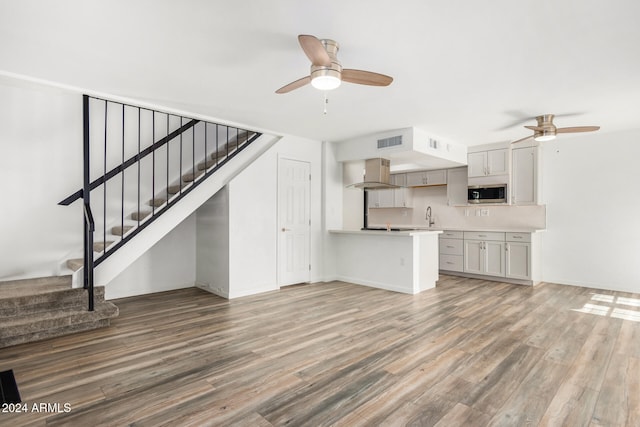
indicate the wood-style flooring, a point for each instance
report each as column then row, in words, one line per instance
column 467, row 353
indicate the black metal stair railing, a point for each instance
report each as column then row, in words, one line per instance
column 182, row 141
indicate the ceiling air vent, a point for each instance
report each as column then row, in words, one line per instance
column 390, row 142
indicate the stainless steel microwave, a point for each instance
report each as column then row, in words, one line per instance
column 487, row 193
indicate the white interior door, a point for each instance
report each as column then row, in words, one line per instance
column 294, row 228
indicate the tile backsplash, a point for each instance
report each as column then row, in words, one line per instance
column 457, row 216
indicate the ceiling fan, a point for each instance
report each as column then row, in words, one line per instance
column 326, row 71
column 546, row 130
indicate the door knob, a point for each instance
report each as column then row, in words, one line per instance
column 285, row 229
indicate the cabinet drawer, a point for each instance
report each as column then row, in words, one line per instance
column 451, row 235
column 451, row 247
column 518, row 237
column 451, row 262
column 484, row 235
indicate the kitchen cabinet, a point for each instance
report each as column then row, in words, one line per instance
column 427, row 178
column 524, row 176
column 457, row 186
column 391, row 197
column 484, row 253
column 518, row 256
column 488, row 163
column 382, row 198
column 402, row 197
column 451, row 250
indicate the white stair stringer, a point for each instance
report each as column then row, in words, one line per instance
column 143, row 241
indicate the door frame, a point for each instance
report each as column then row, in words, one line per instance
column 280, row 235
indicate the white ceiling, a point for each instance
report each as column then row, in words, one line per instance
column 463, row 69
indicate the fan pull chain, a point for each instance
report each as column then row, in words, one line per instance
column 326, row 101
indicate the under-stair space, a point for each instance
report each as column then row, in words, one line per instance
column 37, row 309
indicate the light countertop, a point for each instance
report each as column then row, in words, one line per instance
column 411, row 232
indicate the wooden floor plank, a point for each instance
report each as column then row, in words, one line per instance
column 469, row 352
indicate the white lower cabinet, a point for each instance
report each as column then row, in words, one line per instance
column 451, row 250
column 518, row 256
column 484, row 256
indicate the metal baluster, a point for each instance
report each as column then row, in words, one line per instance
column 193, row 153
column 167, row 188
column 122, row 192
column 139, row 121
column 104, row 188
column 180, row 184
column 153, row 163
column 217, row 148
column 206, row 156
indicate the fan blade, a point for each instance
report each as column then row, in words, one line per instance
column 523, row 139
column 314, row 49
column 578, row 129
column 366, row 78
column 294, row 85
column 535, row 128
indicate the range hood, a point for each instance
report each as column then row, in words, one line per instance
column 376, row 175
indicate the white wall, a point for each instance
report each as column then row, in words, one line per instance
column 40, row 164
column 212, row 244
column 167, row 265
column 253, row 219
column 591, row 190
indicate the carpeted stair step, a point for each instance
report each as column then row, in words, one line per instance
column 157, row 202
column 100, row 246
column 139, row 216
column 206, row 165
column 30, row 300
column 75, row 264
column 190, row 177
column 54, row 323
column 121, row 231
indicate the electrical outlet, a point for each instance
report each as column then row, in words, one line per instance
column 484, row 212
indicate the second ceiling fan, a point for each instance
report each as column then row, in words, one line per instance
column 326, row 71
column 546, row 130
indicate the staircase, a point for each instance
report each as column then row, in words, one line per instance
column 37, row 309
column 172, row 155
column 165, row 196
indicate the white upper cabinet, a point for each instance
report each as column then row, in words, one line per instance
column 524, row 176
column 391, row 197
column 401, row 196
column 488, row 163
column 426, row 178
column 457, row 187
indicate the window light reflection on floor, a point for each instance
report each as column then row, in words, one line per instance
column 612, row 310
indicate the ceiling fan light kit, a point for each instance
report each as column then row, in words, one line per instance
column 546, row 130
column 326, row 71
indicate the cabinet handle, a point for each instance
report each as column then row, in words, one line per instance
column 450, row 247
column 449, row 262
column 517, row 237
column 506, row 247
column 482, row 235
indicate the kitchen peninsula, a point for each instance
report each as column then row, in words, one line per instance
column 403, row 260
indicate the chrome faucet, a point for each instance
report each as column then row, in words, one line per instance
column 428, row 216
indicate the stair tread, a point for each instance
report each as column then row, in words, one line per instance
column 119, row 230
column 100, row 246
column 189, row 177
column 139, row 215
column 46, row 323
column 38, row 295
column 157, row 202
column 99, row 308
column 38, row 285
